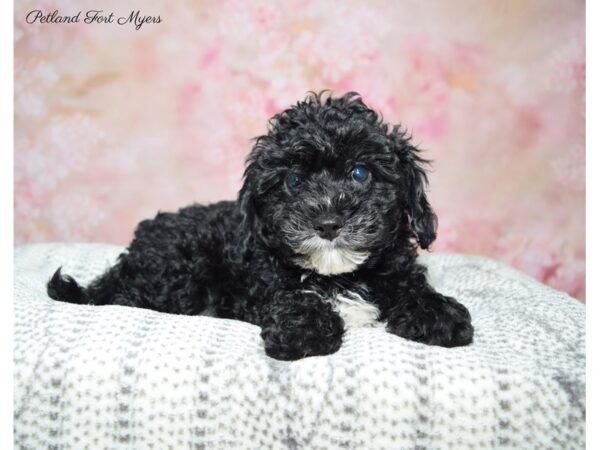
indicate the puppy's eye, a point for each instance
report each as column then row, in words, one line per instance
column 292, row 180
column 360, row 174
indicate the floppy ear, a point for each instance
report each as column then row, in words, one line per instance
column 247, row 205
column 259, row 178
column 422, row 219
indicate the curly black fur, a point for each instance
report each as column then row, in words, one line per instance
column 308, row 230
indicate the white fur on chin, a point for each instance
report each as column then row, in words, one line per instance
column 326, row 258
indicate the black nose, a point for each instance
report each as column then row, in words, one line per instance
column 328, row 225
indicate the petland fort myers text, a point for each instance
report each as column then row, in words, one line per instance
column 92, row 16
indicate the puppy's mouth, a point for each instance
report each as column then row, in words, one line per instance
column 329, row 257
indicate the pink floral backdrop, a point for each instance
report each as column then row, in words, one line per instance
column 113, row 123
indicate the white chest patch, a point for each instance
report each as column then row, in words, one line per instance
column 355, row 310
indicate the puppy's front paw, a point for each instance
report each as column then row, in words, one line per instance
column 292, row 344
column 301, row 328
column 433, row 319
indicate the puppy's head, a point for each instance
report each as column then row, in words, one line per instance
column 330, row 185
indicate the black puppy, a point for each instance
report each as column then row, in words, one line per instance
column 323, row 237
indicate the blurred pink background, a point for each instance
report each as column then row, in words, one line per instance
column 113, row 124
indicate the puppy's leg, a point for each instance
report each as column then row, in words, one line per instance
column 164, row 269
column 163, row 284
column 421, row 314
column 298, row 324
column 431, row 318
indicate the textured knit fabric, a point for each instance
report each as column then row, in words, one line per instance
column 94, row 377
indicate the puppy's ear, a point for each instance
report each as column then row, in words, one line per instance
column 247, row 208
column 259, row 178
column 422, row 219
column 246, row 194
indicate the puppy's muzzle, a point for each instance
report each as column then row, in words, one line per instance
column 328, row 225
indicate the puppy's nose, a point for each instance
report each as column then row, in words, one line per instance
column 328, row 225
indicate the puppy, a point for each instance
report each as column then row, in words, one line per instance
column 323, row 237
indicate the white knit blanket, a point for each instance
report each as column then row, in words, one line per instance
column 95, row 377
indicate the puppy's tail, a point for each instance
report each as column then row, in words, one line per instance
column 65, row 289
